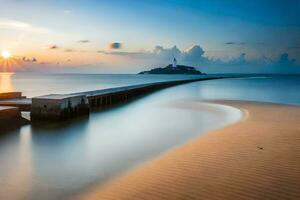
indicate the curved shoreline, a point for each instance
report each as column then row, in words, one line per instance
column 256, row 158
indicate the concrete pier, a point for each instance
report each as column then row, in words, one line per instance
column 11, row 95
column 8, row 113
column 10, row 118
column 15, row 99
column 107, row 97
column 24, row 104
column 64, row 106
column 59, row 107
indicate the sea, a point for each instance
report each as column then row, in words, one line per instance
column 61, row 160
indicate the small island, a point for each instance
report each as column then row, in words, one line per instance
column 173, row 69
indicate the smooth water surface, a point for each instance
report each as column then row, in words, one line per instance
column 33, row 84
column 55, row 161
column 273, row 89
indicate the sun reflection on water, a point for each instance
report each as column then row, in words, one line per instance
column 6, row 82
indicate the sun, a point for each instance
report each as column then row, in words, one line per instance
column 5, row 54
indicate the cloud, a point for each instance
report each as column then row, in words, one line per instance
column 158, row 53
column 192, row 55
column 195, row 56
column 115, row 45
column 53, row 47
column 159, row 56
column 285, row 60
column 235, row 43
column 32, row 60
column 134, row 55
column 240, row 60
column 166, row 54
column 84, row 41
column 21, row 26
column 240, row 64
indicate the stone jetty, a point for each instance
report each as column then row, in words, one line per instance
column 64, row 106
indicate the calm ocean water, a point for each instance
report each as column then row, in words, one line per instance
column 41, row 84
column 58, row 160
column 273, row 89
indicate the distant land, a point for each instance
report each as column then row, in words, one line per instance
column 170, row 69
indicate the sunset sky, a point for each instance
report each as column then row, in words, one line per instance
column 129, row 35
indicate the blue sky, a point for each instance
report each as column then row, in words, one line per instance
column 260, row 31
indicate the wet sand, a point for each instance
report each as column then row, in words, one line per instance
column 256, row 158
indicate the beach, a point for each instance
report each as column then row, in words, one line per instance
column 255, row 158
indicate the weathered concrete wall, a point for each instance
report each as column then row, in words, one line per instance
column 123, row 94
column 8, row 113
column 10, row 118
column 23, row 104
column 57, row 107
column 10, row 95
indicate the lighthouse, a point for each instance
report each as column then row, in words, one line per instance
column 174, row 63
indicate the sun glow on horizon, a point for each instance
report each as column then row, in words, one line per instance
column 8, row 62
column 5, row 54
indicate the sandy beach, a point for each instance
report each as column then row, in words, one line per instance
column 256, row 158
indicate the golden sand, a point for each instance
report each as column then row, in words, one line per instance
column 257, row 158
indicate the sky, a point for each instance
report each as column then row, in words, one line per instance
column 98, row 36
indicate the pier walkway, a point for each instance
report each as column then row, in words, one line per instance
column 63, row 106
column 24, row 104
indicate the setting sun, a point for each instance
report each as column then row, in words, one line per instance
column 5, row 54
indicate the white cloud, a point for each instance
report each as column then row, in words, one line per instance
column 195, row 56
column 21, row 26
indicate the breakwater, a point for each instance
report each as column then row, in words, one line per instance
column 64, row 106
column 54, row 107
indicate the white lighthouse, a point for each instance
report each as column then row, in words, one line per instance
column 174, row 63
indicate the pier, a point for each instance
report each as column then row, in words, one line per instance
column 10, row 117
column 61, row 106
column 8, row 113
column 54, row 107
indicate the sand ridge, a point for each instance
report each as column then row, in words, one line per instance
column 257, row 158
